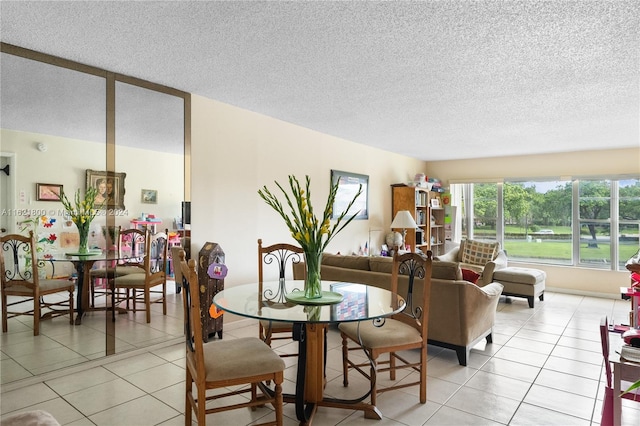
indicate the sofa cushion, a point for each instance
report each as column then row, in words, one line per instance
column 446, row 270
column 479, row 252
column 350, row 262
column 381, row 264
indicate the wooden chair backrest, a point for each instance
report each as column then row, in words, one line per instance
column 156, row 255
column 15, row 271
column 192, row 324
column 136, row 239
column 280, row 254
column 418, row 268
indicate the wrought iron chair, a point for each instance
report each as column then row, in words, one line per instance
column 225, row 363
column 404, row 331
column 154, row 274
column 19, row 269
column 280, row 255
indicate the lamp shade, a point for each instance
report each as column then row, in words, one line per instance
column 403, row 220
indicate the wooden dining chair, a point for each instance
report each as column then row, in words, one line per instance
column 154, row 274
column 278, row 255
column 131, row 260
column 20, row 280
column 401, row 332
column 229, row 363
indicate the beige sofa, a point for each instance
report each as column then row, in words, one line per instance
column 460, row 314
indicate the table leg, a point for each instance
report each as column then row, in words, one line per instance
column 311, row 379
column 82, row 287
column 307, row 392
column 84, row 281
column 617, row 401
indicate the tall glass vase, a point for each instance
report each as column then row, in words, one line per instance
column 83, row 230
column 312, row 287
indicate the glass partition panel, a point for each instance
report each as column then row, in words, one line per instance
column 149, row 137
column 52, row 130
column 55, row 134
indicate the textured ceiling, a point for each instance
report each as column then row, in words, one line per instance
column 432, row 80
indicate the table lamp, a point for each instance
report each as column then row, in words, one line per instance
column 403, row 220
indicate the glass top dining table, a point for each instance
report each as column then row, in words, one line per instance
column 310, row 321
column 83, row 264
column 360, row 302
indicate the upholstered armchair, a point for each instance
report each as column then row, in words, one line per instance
column 484, row 258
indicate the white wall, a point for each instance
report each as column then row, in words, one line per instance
column 565, row 165
column 66, row 161
column 235, row 152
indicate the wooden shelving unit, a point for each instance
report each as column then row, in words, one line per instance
column 437, row 237
column 430, row 234
column 416, row 201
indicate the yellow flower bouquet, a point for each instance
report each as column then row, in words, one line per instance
column 82, row 213
column 311, row 233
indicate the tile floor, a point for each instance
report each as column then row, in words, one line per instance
column 544, row 368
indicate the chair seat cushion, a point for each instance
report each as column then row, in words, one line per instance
column 130, row 280
column 125, row 270
column 392, row 333
column 106, row 273
column 46, row 286
column 237, row 358
column 277, row 325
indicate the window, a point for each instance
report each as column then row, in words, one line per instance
column 628, row 219
column 485, row 211
column 592, row 223
column 594, row 215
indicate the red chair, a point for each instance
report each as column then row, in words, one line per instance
column 608, row 403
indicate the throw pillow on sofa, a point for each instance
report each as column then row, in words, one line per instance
column 469, row 275
column 479, row 252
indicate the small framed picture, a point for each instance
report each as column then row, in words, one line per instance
column 149, row 196
column 48, row 192
column 435, row 202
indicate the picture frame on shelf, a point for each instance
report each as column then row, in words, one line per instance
column 435, row 203
column 48, row 191
column 149, row 196
column 110, row 186
column 348, row 184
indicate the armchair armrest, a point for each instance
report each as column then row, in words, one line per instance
column 498, row 263
column 480, row 310
column 450, row 256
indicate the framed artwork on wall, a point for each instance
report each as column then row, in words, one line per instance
column 149, row 196
column 48, row 192
column 110, row 186
column 348, row 184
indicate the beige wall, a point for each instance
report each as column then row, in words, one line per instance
column 235, row 152
column 565, row 165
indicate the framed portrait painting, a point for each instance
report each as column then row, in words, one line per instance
column 110, row 186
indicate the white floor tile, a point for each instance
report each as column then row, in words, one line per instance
column 544, row 368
